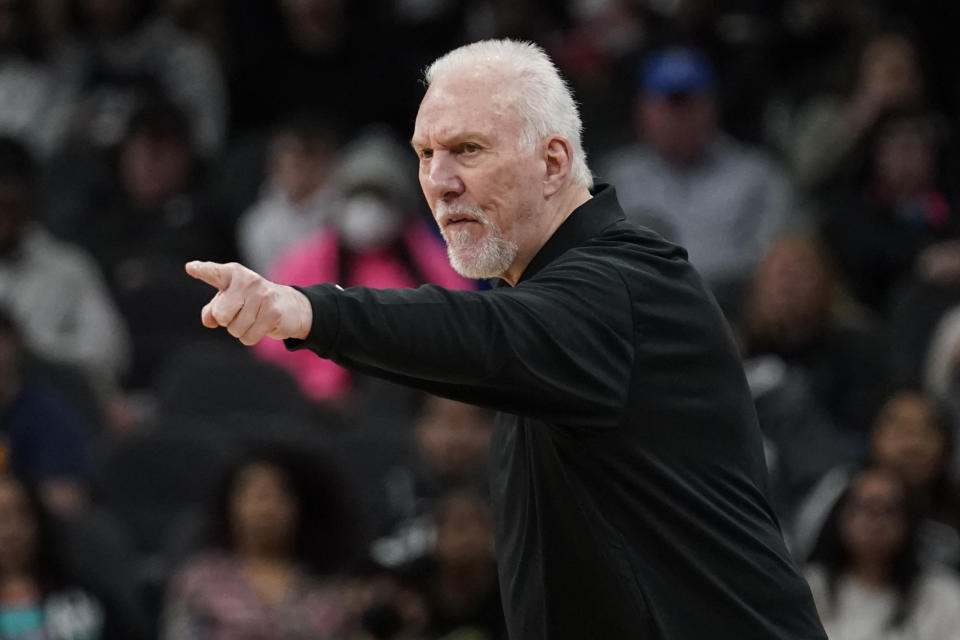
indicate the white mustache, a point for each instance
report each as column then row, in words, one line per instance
column 446, row 211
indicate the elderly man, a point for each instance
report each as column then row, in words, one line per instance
column 627, row 471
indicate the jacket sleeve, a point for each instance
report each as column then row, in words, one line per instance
column 557, row 348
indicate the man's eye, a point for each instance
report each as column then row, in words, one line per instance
column 425, row 154
column 470, row 148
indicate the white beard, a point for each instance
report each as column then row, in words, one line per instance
column 488, row 257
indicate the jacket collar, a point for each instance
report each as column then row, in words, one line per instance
column 586, row 221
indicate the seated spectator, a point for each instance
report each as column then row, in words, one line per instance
column 149, row 206
column 297, row 197
column 142, row 222
column 279, row 529
column 911, row 438
column 41, row 437
column 33, row 104
column 376, row 239
column 800, row 440
column 813, row 370
column 797, row 312
column 448, row 593
column 453, row 439
column 452, row 442
column 459, row 578
column 53, row 289
column 829, row 130
column 38, row 596
column 899, row 219
column 123, row 54
column 723, row 201
column 865, row 576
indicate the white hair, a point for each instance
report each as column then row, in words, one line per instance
column 542, row 98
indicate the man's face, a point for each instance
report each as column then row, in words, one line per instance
column 681, row 126
column 484, row 186
column 454, row 437
column 299, row 168
column 791, row 291
column 154, row 168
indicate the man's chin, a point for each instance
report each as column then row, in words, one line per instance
column 468, row 269
column 468, row 264
column 486, row 257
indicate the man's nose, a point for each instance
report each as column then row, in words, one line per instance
column 442, row 181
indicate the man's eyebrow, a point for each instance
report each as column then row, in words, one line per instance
column 453, row 138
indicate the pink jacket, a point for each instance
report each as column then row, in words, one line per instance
column 317, row 259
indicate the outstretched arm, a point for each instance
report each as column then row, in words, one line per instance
column 547, row 348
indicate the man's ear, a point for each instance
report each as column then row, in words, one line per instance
column 558, row 155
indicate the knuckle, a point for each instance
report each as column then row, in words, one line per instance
column 274, row 314
column 271, row 300
column 251, row 336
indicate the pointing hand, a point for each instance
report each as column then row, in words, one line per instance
column 249, row 305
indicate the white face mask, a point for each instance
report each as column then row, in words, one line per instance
column 366, row 221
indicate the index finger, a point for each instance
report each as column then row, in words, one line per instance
column 213, row 273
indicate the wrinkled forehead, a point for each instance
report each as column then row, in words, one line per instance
column 472, row 101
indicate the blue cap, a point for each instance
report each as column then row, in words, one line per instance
column 676, row 70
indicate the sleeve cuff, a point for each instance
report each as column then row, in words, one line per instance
column 324, row 301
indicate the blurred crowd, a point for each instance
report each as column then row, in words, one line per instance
column 158, row 480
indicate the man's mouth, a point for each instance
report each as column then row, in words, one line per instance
column 457, row 221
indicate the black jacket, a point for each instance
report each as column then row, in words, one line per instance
column 627, row 471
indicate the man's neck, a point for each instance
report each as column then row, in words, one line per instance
column 559, row 209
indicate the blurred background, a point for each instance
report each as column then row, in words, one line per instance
column 158, row 480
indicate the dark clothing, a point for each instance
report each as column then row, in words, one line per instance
column 141, row 254
column 845, row 368
column 273, row 76
column 876, row 244
column 627, row 472
column 45, row 436
column 479, row 616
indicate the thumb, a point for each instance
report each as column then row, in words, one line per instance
column 213, row 273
